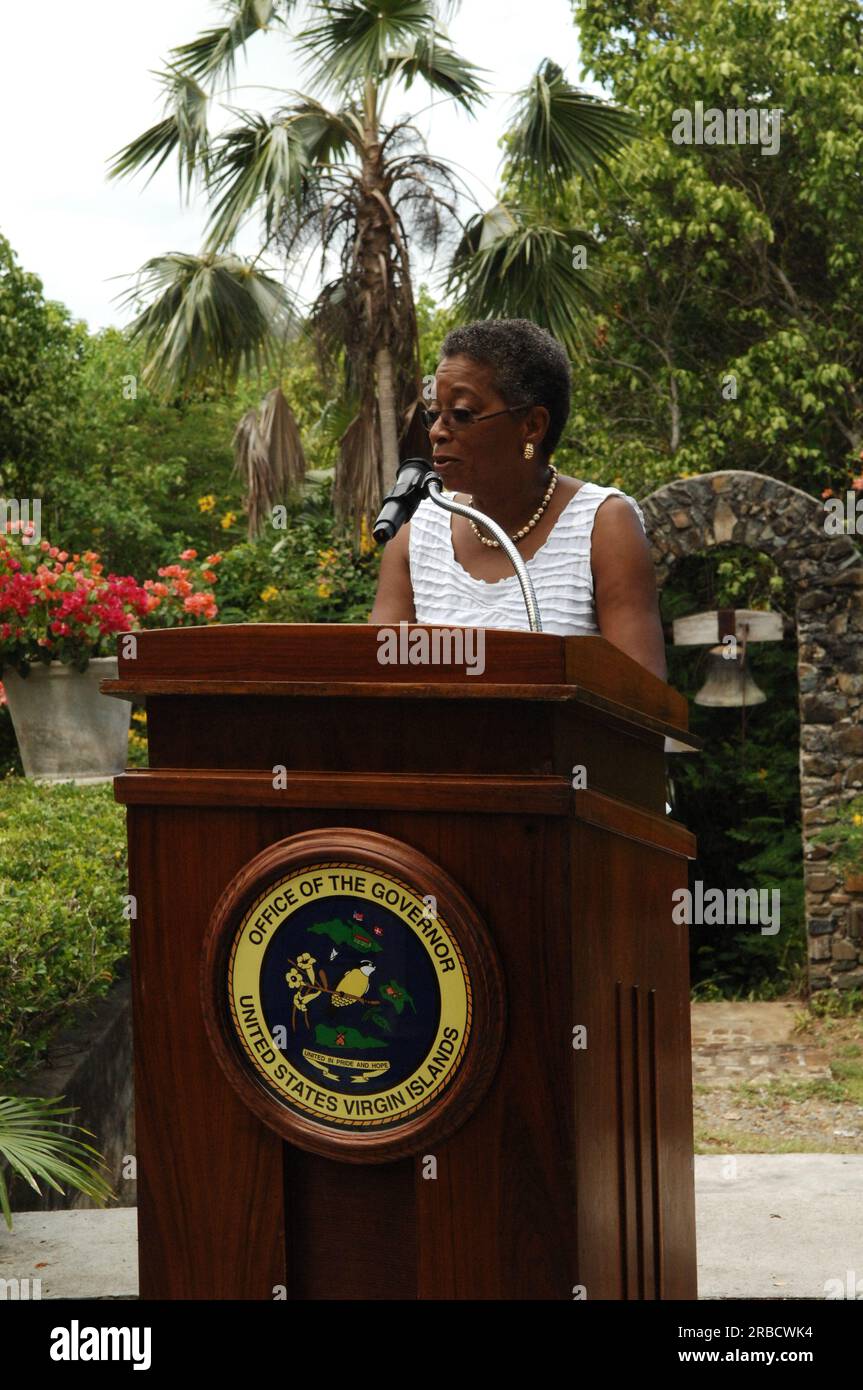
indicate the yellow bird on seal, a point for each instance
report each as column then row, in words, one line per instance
column 353, row 985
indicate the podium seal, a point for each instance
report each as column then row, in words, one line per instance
column 352, row 994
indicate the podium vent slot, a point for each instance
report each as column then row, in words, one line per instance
column 640, row 1230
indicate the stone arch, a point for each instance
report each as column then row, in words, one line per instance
column 826, row 574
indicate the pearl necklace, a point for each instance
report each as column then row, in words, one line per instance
column 519, row 535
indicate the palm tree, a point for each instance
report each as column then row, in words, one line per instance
column 341, row 176
column 344, row 178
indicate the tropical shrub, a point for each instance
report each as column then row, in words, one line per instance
column 62, row 928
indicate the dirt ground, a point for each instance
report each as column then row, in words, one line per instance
column 776, row 1078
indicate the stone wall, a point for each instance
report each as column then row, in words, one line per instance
column 826, row 573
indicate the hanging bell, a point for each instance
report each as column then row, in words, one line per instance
column 728, row 682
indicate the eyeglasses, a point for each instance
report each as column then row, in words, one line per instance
column 460, row 418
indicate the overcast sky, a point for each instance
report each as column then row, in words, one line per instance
column 77, row 85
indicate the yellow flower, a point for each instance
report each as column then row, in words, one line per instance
column 324, row 589
column 857, row 818
column 367, row 540
column 227, row 521
column 206, row 504
column 326, row 557
column 269, row 593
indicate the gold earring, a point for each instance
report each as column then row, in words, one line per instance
column 528, row 450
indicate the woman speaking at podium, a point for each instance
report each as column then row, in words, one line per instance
column 501, row 401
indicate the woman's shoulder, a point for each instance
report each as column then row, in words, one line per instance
column 593, row 495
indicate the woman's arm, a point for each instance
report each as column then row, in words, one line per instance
column 394, row 600
column 624, row 585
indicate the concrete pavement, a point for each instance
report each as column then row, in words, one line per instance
column 770, row 1226
column 778, row 1225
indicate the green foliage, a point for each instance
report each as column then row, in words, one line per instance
column 62, row 929
column 137, row 755
column 140, row 480
column 131, row 471
column 433, row 324
column 729, row 576
column 837, row 1003
column 310, row 573
column 734, row 335
column 40, row 356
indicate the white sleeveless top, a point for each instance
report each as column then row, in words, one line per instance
column 444, row 592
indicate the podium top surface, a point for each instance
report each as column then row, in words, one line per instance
column 411, row 660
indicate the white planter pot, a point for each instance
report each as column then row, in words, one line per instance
column 66, row 729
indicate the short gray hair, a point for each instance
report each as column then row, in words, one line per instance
column 530, row 366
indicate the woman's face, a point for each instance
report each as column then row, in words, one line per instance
column 478, row 457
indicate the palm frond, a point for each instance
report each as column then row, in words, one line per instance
column 183, row 129
column 357, row 482
column 269, row 457
column 431, row 58
column 326, row 135
column 327, row 321
column 36, row 1142
column 424, row 194
column 350, row 40
column 258, row 161
column 281, row 437
column 250, row 455
column 333, row 421
column 510, row 264
column 445, row 9
column 211, row 317
column 214, row 52
column 560, row 132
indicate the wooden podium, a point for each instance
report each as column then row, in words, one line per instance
column 411, row 1016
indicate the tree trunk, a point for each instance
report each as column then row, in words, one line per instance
column 388, row 417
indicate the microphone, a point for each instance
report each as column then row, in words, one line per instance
column 406, row 495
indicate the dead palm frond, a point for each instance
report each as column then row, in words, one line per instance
column 357, row 480
column 269, row 458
